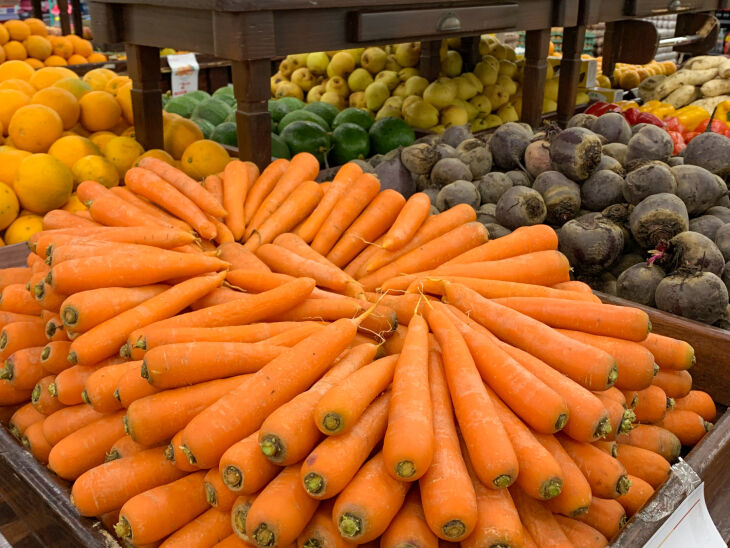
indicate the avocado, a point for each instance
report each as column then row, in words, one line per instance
column 225, row 134
column 182, row 105
column 302, row 115
column 198, row 95
column 213, row 110
column 225, row 90
column 389, row 133
column 326, row 111
column 205, row 126
column 279, row 149
column 354, row 115
column 349, row 142
column 278, row 108
column 306, row 136
column 232, row 117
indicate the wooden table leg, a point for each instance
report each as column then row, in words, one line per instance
column 430, row 63
column 76, row 18
column 470, row 52
column 537, row 47
column 573, row 38
column 143, row 66
column 37, row 8
column 609, row 51
column 63, row 16
column 251, row 87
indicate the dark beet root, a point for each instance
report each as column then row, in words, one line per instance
column 711, row 151
column 582, row 120
column 649, row 143
column 726, row 275
column 591, row 243
column 602, row 189
column 698, row 188
column 475, row 154
column 537, row 157
column 707, row 225
column 448, row 170
column 722, row 241
column 575, row 152
column 722, row 213
column 487, row 214
column 650, row 178
column 613, row 126
column 496, row 231
column 675, row 161
column 561, row 196
column 432, row 194
column 639, row 282
column 520, row 206
column 697, row 296
column 692, row 251
column 625, row 262
column 611, row 164
column 492, row 185
column 617, row 151
column 393, row 174
column 508, row 145
column 458, row 192
column 455, row 135
column 723, row 201
column 419, row 158
column 658, row 218
column 519, row 178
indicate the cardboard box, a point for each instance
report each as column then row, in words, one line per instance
column 588, row 70
column 607, row 95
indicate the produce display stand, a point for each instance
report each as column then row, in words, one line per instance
column 37, row 6
column 41, row 500
column 626, row 38
column 250, row 33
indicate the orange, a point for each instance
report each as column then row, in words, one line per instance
column 63, row 47
column 2, row 55
column 74, row 204
column 23, row 228
column 47, row 76
column 10, row 101
column 4, row 35
column 120, row 127
column 71, row 149
column 155, row 153
column 55, row 61
column 79, row 130
column 113, row 85
column 77, row 60
column 38, row 47
column 9, row 205
column 122, row 152
column 37, row 27
column 62, row 101
column 9, row 161
column 129, row 132
column 97, row 58
column 630, row 79
column 35, row 127
column 15, row 51
column 15, row 69
column 98, row 78
column 179, row 134
column 35, row 63
column 203, row 158
column 43, row 183
column 18, row 30
column 95, row 168
column 76, row 86
column 101, row 138
column 643, row 74
column 99, row 111
column 124, row 98
column 20, row 85
column 669, row 67
column 81, row 47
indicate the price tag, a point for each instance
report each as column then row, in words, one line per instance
column 184, row 69
column 689, row 525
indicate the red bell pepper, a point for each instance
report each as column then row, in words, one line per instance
column 717, row 126
column 671, row 123
column 691, row 135
column 678, row 140
column 649, row 118
column 601, row 107
column 632, row 115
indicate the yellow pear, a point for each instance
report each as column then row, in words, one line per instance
column 453, row 43
column 499, row 51
column 400, row 90
column 359, row 79
column 314, row 94
column 375, row 95
column 551, row 89
column 509, row 85
column 437, row 129
column 391, row 63
column 465, row 89
column 356, row 54
column 373, row 59
column 388, row 111
column 317, row 62
column 304, row 78
column 415, row 85
column 419, row 114
column 510, row 53
column 333, row 98
column 410, row 100
column 357, row 99
column 481, row 103
column 389, row 78
column 298, row 60
column 478, row 124
column 492, row 61
column 443, row 49
column 286, row 68
column 454, row 116
column 405, row 73
column 452, row 64
column 507, row 113
column 486, row 73
column 496, row 95
column 408, row 55
column 439, row 94
column 338, row 85
column 341, row 64
column 474, row 80
column 394, row 101
column 550, row 71
column 484, row 47
column 289, row 89
column 275, row 80
column 471, row 111
column 492, row 120
column 581, row 98
column 508, row 68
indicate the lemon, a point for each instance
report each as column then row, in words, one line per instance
column 22, row 228
column 9, row 205
column 122, row 152
column 43, row 183
column 74, row 204
column 95, row 168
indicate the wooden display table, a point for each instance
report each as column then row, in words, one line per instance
column 63, row 15
column 250, row 33
column 611, row 11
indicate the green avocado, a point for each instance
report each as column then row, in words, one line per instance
column 279, row 148
column 349, row 142
column 354, row 115
column 225, row 134
column 389, row 133
column 213, row 110
column 306, row 136
column 182, row 105
column 326, row 111
column 302, row 115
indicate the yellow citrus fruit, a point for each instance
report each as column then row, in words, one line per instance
column 179, row 134
column 81, row 47
column 63, row 47
column 2, row 55
column 74, row 204
column 38, row 47
column 18, row 30
column 47, row 76
column 43, row 183
column 99, row 111
column 129, row 132
column 14, row 50
column 122, row 152
column 36, row 26
column 155, row 153
column 15, row 69
column 76, row 86
column 9, row 161
column 96, row 58
column 62, row 101
column 95, row 168
column 120, row 127
column 79, row 130
column 22, row 228
column 10, row 101
column 4, row 35
column 124, row 98
column 35, row 64
column 20, row 85
column 35, row 127
column 203, row 158
column 77, row 60
column 98, row 78
column 72, row 148
column 101, row 138
column 9, row 205
column 113, row 85
column 55, row 61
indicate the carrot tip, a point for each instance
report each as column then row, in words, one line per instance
column 125, row 352
column 405, row 469
column 52, row 390
column 210, row 495
column 189, row 454
column 112, row 455
column 5, row 372
column 26, row 443
column 623, row 485
column 349, row 525
column 263, row 536
column 505, row 480
column 627, row 421
column 14, row 431
column 73, row 358
column 239, row 520
column 454, row 529
column 232, row 478
column 271, row 447
column 51, row 329
column 561, row 422
column 170, row 453
column 116, row 395
column 3, row 341
column 314, row 483
column 143, row 371
column 551, row 488
column 332, row 422
column 122, row 528
column 45, row 353
column 85, row 397
column 141, row 343
column 612, row 375
column 670, row 403
column 603, row 428
column 69, row 316
column 36, row 394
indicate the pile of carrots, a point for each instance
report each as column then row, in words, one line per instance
column 259, row 359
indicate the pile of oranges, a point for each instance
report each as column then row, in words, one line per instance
column 30, row 42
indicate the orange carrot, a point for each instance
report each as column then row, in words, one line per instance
column 55, row 330
column 59, row 218
column 240, row 258
column 409, row 220
column 9, row 395
column 321, row 531
column 23, row 368
column 374, row 220
column 232, row 541
column 47, row 297
column 639, row 492
column 132, row 386
column 174, row 453
column 688, row 426
column 67, row 420
column 244, row 468
column 335, row 461
column 239, row 514
column 214, row 185
column 298, row 334
column 86, row 447
column 219, row 295
column 41, row 398
column 36, row 443
column 616, row 395
column 282, row 260
column 217, row 493
column 16, row 298
column 124, row 447
column 154, row 514
column 448, row 496
column 290, row 433
column 69, row 383
column 210, row 527
column 359, row 262
column 581, row 534
column 365, row 508
column 340, row 408
column 491, row 453
column 105, row 339
column 676, row 384
column 651, row 403
column 88, row 190
column 605, row 474
column 100, row 386
column 235, row 188
column 670, row 353
column 575, row 496
column 621, row 419
column 23, row 418
column 645, row 464
column 524, row 240
column 111, row 210
column 538, row 520
column 14, row 275
column 605, row 515
column 128, row 196
column 262, row 187
column 12, row 317
column 574, row 286
column 699, row 402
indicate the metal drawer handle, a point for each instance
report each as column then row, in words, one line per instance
column 449, row 23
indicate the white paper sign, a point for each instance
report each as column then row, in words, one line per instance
column 184, row 69
column 690, row 525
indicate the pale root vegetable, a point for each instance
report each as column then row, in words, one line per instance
column 508, row 145
column 492, row 186
column 682, row 96
column 582, row 120
column 715, row 87
column 611, row 164
column 475, row 154
column 658, row 218
column 708, row 225
column 694, row 251
column 651, row 178
column 613, row 126
column 649, row 143
column 537, row 157
column 448, row 170
column 648, row 87
column 458, row 192
column 520, row 206
column 591, row 243
column 575, row 152
column 639, row 282
column 702, row 296
column 711, row 151
column 419, row 158
column 561, row 196
column 698, row 188
column 683, row 78
column 602, row 189
column 617, row 151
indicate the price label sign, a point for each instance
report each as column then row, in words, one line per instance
column 689, row 525
column 184, row 69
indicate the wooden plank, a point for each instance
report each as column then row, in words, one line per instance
column 76, row 18
column 14, row 255
column 143, row 63
column 252, row 91
column 573, row 39
column 537, row 43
